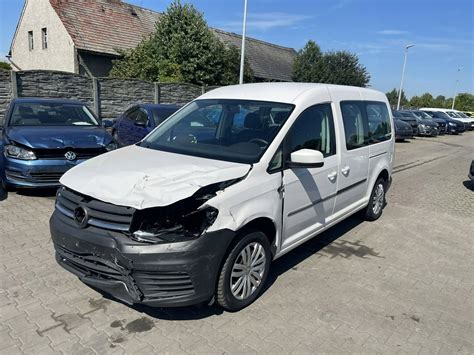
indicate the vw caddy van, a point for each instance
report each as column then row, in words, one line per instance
column 197, row 210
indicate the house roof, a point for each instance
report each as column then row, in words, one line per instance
column 103, row 26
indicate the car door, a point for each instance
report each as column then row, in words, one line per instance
column 354, row 163
column 309, row 193
column 125, row 126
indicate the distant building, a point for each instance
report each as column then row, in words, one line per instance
column 83, row 37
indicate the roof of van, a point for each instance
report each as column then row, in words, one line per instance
column 276, row 92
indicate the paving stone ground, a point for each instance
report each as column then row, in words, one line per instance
column 402, row 284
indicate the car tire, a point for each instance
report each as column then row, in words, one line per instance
column 244, row 272
column 377, row 201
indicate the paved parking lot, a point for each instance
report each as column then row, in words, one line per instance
column 401, row 284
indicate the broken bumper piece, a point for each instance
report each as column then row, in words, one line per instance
column 162, row 275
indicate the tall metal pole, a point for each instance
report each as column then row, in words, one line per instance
column 403, row 75
column 456, row 88
column 242, row 52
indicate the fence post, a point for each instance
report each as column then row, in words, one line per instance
column 203, row 89
column 14, row 84
column 157, row 95
column 95, row 95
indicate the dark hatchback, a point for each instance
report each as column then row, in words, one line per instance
column 452, row 126
column 424, row 116
column 412, row 121
column 40, row 139
column 403, row 130
column 139, row 120
column 426, row 126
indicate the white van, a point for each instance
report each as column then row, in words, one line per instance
column 237, row 178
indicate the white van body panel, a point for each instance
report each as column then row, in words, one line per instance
column 135, row 176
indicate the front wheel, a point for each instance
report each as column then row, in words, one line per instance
column 376, row 202
column 244, row 272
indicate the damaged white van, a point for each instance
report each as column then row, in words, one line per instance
column 198, row 210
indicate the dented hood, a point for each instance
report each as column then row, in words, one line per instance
column 141, row 178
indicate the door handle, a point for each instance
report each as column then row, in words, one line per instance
column 332, row 176
column 345, row 170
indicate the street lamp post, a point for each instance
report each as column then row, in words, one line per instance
column 242, row 52
column 456, row 88
column 403, row 74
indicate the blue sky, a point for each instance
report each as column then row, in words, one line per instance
column 376, row 31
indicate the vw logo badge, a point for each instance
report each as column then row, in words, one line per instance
column 70, row 155
column 81, row 217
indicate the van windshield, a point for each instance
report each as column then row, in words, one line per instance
column 223, row 129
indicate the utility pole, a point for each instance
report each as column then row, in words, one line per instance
column 403, row 74
column 456, row 88
column 242, row 52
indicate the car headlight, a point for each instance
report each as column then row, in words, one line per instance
column 111, row 146
column 451, row 124
column 157, row 225
column 13, row 151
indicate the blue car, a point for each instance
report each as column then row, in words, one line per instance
column 139, row 120
column 40, row 139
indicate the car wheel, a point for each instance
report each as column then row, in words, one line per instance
column 245, row 270
column 376, row 202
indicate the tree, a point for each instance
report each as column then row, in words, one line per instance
column 464, row 102
column 392, row 97
column 439, row 101
column 426, row 100
column 182, row 48
column 337, row 67
column 5, row 66
column 415, row 101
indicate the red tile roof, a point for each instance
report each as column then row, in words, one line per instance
column 103, row 26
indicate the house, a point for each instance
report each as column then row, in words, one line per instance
column 84, row 37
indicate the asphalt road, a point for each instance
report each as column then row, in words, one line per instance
column 401, row 284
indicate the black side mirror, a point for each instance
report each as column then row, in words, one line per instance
column 107, row 123
column 141, row 123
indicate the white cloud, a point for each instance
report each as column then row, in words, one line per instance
column 392, row 32
column 266, row 21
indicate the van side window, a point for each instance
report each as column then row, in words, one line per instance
column 355, row 124
column 379, row 121
column 313, row 129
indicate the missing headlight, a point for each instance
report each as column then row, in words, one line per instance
column 180, row 221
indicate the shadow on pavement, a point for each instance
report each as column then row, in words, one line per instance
column 326, row 241
column 469, row 184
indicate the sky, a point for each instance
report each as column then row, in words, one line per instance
column 377, row 31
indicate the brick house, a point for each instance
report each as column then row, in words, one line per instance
column 83, row 37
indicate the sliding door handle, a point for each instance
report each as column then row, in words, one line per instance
column 345, row 170
column 332, row 176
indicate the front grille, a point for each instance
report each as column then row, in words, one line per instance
column 101, row 214
column 156, row 285
column 81, row 153
column 47, row 177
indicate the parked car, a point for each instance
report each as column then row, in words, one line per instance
column 453, row 126
column 456, row 115
column 469, row 113
column 43, row 138
column 403, row 130
column 424, row 116
column 178, row 219
column 139, row 120
column 426, row 127
column 471, row 171
column 466, row 118
column 3, row 189
column 408, row 118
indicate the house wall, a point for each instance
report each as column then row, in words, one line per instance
column 60, row 54
column 110, row 95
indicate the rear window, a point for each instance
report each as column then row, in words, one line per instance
column 52, row 114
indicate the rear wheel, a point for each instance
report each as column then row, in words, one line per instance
column 244, row 272
column 376, row 202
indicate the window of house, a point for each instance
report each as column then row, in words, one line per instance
column 31, row 43
column 379, row 122
column 314, row 129
column 355, row 124
column 44, row 37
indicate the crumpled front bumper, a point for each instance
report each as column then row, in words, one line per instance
column 164, row 275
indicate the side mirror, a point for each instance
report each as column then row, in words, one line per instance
column 141, row 123
column 306, row 158
column 107, row 123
